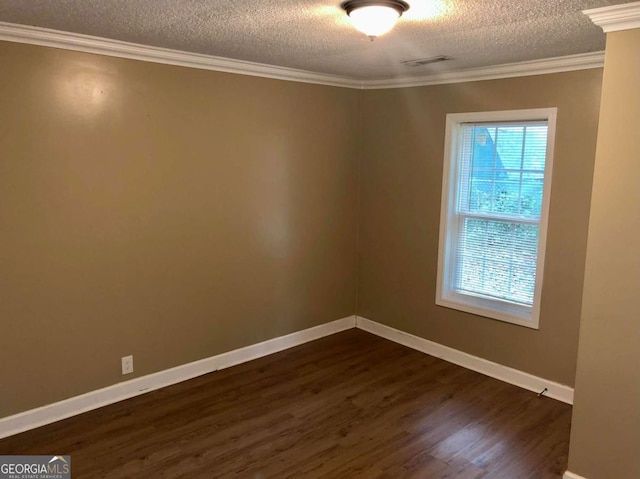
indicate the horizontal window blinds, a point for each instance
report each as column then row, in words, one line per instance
column 499, row 202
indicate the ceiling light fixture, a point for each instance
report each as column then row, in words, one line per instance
column 374, row 17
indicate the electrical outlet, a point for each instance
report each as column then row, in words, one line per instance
column 127, row 364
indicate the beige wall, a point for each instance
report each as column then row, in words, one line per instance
column 401, row 176
column 173, row 214
column 164, row 212
column 605, row 435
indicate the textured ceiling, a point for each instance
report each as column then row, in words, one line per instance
column 315, row 35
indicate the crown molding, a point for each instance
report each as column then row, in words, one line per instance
column 616, row 17
column 115, row 48
column 582, row 61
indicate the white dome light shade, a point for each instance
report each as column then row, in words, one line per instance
column 375, row 20
column 374, row 17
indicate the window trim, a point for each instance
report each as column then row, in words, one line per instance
column 445, row 296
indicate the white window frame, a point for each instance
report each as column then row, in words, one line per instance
column 445, row 294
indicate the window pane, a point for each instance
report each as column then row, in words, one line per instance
column 506, row 194
column 509, row 146
column 531, row 194
column 502, row 169
column 535, row 148
column 497, row 259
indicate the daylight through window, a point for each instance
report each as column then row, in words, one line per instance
column 494, row 213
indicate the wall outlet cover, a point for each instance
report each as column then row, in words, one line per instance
column 127, row 364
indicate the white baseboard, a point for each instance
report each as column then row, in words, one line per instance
column 41, row 416
column 524, row 380
column 571, row 475
column 102, row 397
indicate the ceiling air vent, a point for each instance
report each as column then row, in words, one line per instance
column 426, row 61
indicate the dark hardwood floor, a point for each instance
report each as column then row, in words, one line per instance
column 347, row 406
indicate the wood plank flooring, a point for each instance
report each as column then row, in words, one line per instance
column 351, row 405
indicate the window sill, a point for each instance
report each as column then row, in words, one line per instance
column 497, row 311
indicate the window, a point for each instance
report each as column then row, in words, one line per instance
column 495, row 204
